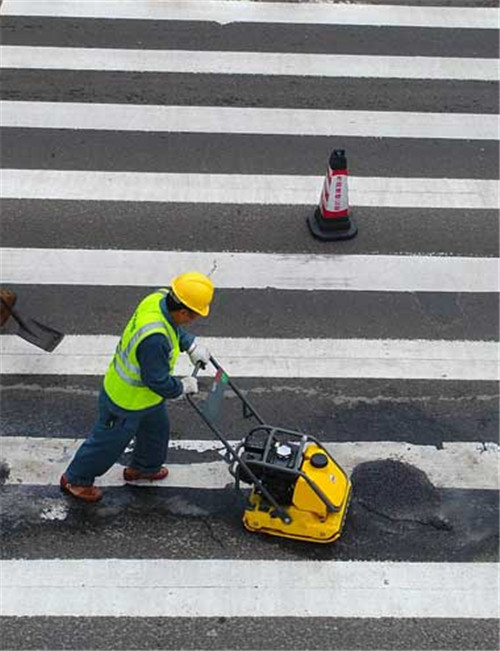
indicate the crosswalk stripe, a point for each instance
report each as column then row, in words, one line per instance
column 258, row 121
column 209, row 588
column 225, row 11
column 248, row 63
column 298, row 358
column 300, row 271
column 244, row 189
column 469, row 466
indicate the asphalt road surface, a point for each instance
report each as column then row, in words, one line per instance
column 382, row 346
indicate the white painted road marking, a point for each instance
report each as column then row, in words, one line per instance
column 468, row 466
column 245, row 188
column 297, row 358
column 263, row 121
column 225, row 11
column 236, row 588
column 236, row 270
column 248, row 63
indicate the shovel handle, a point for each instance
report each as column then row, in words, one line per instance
column 12, row 312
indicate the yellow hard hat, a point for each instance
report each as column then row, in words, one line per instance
column 195, row 291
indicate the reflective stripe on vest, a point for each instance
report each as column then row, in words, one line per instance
column 123, row 355
column 123, row 382
column 124, row 376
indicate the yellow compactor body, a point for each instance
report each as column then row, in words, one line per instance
column 296, row 488
column 312, row 518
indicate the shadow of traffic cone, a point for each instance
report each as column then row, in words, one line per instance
column 331, row 219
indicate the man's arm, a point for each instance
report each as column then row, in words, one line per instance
column 153, row 357
column 186, row 339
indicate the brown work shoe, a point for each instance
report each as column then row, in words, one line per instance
column 132, row 474
column 85, row 493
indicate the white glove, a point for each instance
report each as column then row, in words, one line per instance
column 189, row 385
column 198, row 354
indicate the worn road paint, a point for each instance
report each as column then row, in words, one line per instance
column 248, row 63
column 225, row 12
column 245, row 189
column 41, row 461
column 261, row 121
column 385, row 273
column 290, row 358
column 214, row 588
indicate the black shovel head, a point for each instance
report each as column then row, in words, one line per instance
column 39, row 334
column 30, row 329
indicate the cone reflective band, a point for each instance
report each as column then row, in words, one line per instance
column 334, row 200
column 331, row 219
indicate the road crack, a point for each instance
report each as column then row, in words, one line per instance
column 434, row 521
column 211, row 532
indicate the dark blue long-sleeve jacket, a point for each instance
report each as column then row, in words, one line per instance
column 153, row 357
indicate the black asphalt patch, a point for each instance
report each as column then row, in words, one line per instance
column 398, row 491
column 178, row 456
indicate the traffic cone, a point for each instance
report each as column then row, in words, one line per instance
column 331, row 219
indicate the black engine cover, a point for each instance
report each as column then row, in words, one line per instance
column 273, row 458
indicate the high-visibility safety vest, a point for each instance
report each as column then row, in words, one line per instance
column 123, row 382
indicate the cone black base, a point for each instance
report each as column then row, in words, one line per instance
column 345, row 230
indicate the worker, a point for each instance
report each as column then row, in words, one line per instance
column 137, row 382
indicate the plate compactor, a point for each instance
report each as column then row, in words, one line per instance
column 297, row 489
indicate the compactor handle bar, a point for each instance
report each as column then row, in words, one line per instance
column 280, row 511
column 248, row 409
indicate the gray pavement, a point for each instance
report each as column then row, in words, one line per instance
column 422, row 95
column 249, row 37
column 417, row 411
column 230, row 227
column 248, row 633
column 63, row 149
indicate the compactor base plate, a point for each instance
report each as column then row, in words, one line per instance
column 305, row 525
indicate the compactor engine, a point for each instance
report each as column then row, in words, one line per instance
column 303, row 478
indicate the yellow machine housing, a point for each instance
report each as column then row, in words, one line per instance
column 297, row 489
column 312, row 519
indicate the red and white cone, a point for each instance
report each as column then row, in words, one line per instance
column 331, row 219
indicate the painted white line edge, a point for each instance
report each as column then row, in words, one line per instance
column 262, row 121
column 248, row 63
column 468, row 466
column 236, row 588
column 230, row 11
column 238, row 270
column 286, row 189
column 297, row 358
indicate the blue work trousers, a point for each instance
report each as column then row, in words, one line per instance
column 111, row 434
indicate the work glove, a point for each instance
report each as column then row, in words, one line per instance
column 199, row 354
column 189, row 385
